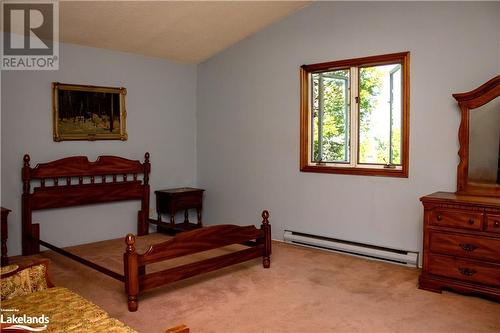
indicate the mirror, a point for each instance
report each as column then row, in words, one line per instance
column 484, row 144
column 478, row 172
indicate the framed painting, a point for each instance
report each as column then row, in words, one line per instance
column 91, row 113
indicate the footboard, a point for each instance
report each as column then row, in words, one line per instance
column 207, row 238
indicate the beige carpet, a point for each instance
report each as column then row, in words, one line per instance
column 305, row 290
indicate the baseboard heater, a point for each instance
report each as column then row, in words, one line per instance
column 402, row 257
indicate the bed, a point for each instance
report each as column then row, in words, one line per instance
column 75, row 181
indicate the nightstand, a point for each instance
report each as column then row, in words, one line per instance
column 170, row 201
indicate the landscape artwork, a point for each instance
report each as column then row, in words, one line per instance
column 88, row 112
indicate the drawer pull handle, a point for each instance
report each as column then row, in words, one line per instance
column 440, row 217
column 496, row 224
column 467, row 271
column 471, row 221
column 468, row 247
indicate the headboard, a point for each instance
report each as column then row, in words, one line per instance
column 75, row 181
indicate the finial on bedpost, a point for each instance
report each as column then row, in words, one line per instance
column 26, row 160
column 266, row 229
column 130, row 241
column 265, row 217
column 147, row 168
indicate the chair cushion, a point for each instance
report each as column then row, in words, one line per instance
column 25, row 281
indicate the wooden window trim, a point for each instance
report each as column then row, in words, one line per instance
column 307, row 70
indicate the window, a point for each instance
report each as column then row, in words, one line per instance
column 355, row 116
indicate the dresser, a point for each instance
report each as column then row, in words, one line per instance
column 461, row 248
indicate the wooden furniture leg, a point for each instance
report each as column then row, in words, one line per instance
column 143, row 218
column 198, row 213
column 266, row 228
column 131, row 273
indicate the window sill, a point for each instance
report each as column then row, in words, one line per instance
column 359, row 171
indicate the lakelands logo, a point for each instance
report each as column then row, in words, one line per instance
column 20, row 323
column 30, row 37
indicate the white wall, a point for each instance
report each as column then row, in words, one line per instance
column 248, row 117
column 161, row 103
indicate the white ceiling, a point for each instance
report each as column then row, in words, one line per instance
column 186, row 31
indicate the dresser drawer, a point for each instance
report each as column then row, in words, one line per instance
column 466, row 270
column 466, row 246
column 456, row 218
column 493, row 223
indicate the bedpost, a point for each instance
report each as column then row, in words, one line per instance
column 143, row 217
column 29, row 244
column 266, row 228
column 131, row 273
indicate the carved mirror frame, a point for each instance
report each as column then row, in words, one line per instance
column 467, row 102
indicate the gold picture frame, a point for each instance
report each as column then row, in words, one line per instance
column 82, row 112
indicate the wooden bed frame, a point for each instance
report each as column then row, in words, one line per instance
column 75, row 181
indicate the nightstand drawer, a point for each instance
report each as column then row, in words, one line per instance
column 466, row 270
column 466, row 246
column 456, row 218
column 188, row 202
column 493, row 223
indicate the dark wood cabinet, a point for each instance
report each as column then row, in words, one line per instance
column 5, row 235
column 170, row 201
column 461, row 244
